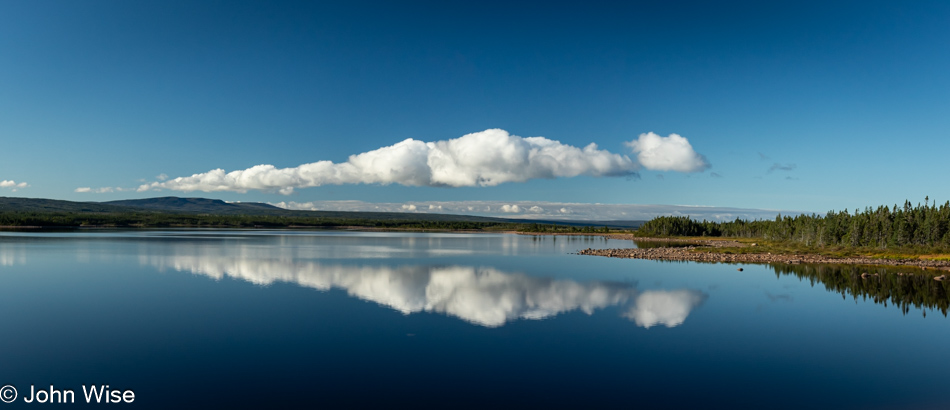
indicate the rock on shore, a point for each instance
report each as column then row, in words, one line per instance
column 695, row 254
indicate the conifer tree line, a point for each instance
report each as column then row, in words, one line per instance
column 885, row 227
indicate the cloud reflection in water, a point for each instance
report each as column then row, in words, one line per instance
column 669, row 308
column 10, row 256
column 479, row 295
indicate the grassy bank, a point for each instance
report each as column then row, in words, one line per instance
column 748, row 245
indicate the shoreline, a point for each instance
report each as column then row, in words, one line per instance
column 695, row 253
column 715, row 242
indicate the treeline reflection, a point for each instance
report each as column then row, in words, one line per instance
column 901, row 288
column 480, row 295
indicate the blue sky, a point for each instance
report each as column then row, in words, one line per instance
column 804, row 106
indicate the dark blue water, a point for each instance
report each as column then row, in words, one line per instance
column 329, row 319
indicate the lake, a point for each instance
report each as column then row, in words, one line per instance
column 229, row 318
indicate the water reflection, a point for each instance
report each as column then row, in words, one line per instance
column 900, row 287
column 12, row 255
column 668, row 308
column 479, row 295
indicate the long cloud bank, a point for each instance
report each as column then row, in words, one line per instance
column 486, row 158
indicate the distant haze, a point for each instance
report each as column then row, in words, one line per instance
column 543, row 210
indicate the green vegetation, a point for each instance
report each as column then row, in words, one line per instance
column 888, row 230
column 158, row 219
column 206, row 207
column 14, row 219
column 206, row 213
column 213, row 213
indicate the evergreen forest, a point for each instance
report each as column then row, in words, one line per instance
column 884, row 227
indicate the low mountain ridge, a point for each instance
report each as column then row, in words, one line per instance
column 197, row 205
column 13, row 204
column 204, row 206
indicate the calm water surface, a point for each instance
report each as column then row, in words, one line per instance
column 192, row 318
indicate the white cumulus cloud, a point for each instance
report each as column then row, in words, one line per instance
column 13, row 185
column 485, row 158
column 510, row 208
column 672, row 153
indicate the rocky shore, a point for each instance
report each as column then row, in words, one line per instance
column 696, row 254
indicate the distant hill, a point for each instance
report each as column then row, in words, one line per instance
column 8, row 204
column 218, row 207
column 204, row 206
column 197, row 206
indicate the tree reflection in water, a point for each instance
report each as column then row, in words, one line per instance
column 904, row 288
